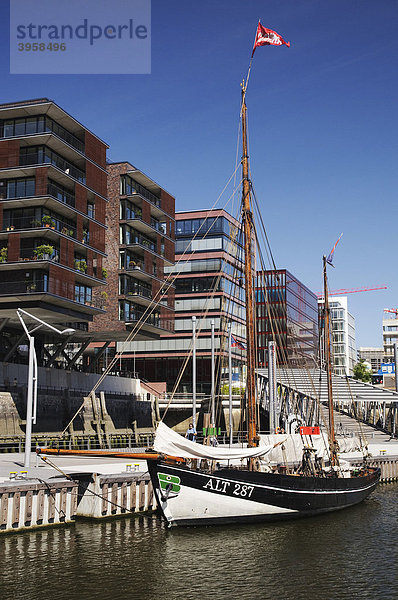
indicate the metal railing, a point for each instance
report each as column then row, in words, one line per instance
column 142, row 241
column 52, row 158
column 23, row 287
column 22, row 127
column 60, row 194
column 11, row 223
column 139, row 290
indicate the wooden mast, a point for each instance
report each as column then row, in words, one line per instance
column 247, row 217
column 332, row 437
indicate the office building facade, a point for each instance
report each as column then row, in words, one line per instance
column 390, row 337
column 287, row 313
column 208, row 280
column 344, row 354
column 373, row 356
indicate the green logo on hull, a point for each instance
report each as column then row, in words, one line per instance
column 166, row 480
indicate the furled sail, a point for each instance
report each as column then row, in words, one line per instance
column 170, row 442
column 293, row 444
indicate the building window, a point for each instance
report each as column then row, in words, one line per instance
column 83, row 294
column 91, row 210
column 36, row 155
column 21, row 188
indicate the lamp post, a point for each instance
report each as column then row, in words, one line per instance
column 230, row 382
column 194, row 371
column 213, row 368
column 31, row 400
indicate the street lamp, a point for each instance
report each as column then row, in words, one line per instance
column 31, row 400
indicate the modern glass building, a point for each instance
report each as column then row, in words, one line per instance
column 287, row 313
column 344, row 354
column 208, row 281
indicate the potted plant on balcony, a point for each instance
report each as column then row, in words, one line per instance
column 10, row 228
column 3, row 255
column 30, row 286
column 44, row 252
column 85, row 236
column 104, row 273
column 36, row 223
column 81, row 265
column 47, row 221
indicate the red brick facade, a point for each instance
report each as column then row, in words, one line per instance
column 9, row 153
column 66, row 203
column 153, row 264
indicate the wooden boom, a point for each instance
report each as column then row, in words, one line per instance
column 110, row 454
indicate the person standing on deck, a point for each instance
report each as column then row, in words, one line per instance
column 191, row 432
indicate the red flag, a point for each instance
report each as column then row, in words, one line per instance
column 267, row 37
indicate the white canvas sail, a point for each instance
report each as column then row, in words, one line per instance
column 170, row 442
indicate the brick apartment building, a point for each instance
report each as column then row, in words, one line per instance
column 139, row 242
column 53, row 187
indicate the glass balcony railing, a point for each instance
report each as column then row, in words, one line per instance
column 139, row 290
column 37, row 125
column 135, row 265
column 134, row 315
column 11, row 223
column 61, row 194
column 43, row 155
column 129, row 187
column 141, row 241
column 24, row 286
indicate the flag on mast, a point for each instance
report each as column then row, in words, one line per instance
column 329, row 259
column 267, row 37
column 237, row 344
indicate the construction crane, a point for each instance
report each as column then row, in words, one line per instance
column 343, row 291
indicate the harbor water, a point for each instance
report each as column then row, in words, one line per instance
column 344, row 555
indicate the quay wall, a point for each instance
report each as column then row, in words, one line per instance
column 26, row 504
column 387, row 464
column 52, row 377
column 125, row 403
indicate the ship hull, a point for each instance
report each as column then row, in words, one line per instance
column 234, row 496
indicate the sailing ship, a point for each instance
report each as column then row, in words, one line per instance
column 202, row 485
column 197, row 484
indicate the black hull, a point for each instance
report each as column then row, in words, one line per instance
column 234, row 496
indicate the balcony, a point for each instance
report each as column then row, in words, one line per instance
column 140, row 241
column 140, row 294
column 43, row 292
column 12, row 223
column 23, row 287
column 44, row 156
column 39, row 125
column 61, row 194
column 153, row 228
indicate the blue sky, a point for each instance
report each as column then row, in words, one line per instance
column 322, row 120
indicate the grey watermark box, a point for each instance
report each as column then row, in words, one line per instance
column 80, row 37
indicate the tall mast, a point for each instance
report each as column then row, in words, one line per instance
column 247, row 217
column 332, row 437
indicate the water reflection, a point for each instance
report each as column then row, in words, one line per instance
column 350, row 554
